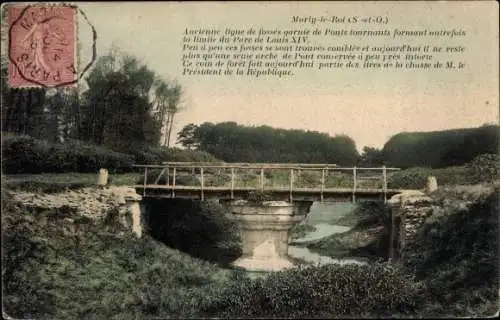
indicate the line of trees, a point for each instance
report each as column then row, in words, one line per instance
column 124, row 105
column 439, row 149
column 232, row 142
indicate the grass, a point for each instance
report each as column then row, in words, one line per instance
column 300, row 230
column 58, row 265
column 55, row 182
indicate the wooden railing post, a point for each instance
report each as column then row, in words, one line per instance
column 202, row 184
column 354, row 184
column 167, row 178
column 173, row 182
column 232, row 183
column 291, row 185
column 145, row 181
column 262, row 179
column 392, row 236
column 384, row 172
column 322, row 183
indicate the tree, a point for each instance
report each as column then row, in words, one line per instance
column 232, row 142
column 116, row 107
column 371, row 157
column 187, row 137
column 166, row 106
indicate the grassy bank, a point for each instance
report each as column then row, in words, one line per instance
column 455, row 253
column 54, row 182
column 300, row 231
column 58, row 264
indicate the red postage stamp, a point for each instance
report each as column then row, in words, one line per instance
column 42, row 45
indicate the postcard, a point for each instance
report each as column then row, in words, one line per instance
column 250, row 159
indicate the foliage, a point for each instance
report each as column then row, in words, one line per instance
column 371, row 157
column 327, row 291
column 24, row 154
column 301, row 230
column 440, row 149
column 123, row 104
column 257, row 197
column 452, row 175
column 456, row 254
column 484, row 168
column 237, row 143
column 186, row 136
column 157, row 155
column 116, row 110
column 166, row 106
column 59, row 182
column 413, row 178
column 58, row 264
column 198, row 228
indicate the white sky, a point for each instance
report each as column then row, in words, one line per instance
column 369, row 106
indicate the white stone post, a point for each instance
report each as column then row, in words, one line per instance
column 102, row 178
column 431, row 184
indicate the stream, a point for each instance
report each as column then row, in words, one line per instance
column 321, row 217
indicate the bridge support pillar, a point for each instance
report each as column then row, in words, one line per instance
column 264, row 228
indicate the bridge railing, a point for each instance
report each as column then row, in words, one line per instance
column 318, row 178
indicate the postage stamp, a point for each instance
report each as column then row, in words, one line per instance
column 42, row 45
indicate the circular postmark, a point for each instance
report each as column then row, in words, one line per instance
column 42, row 45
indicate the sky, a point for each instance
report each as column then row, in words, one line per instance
column 368, row 105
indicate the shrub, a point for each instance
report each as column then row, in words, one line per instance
column 301, row 230
column 157, row 155
column 257, row 197
column 24, row 154
column 452, row 175
column 60, row 265
column 414, row 178
column 440, row 149
column 327, row 291
column 338, row 179
column 484, row 168
column 456, row 254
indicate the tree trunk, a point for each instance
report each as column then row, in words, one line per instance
column 170, row 128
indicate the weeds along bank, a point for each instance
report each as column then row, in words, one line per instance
column 456, row 251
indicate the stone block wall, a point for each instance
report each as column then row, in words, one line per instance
column 411, row 208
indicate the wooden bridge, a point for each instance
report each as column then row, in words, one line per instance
column 283, row 181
